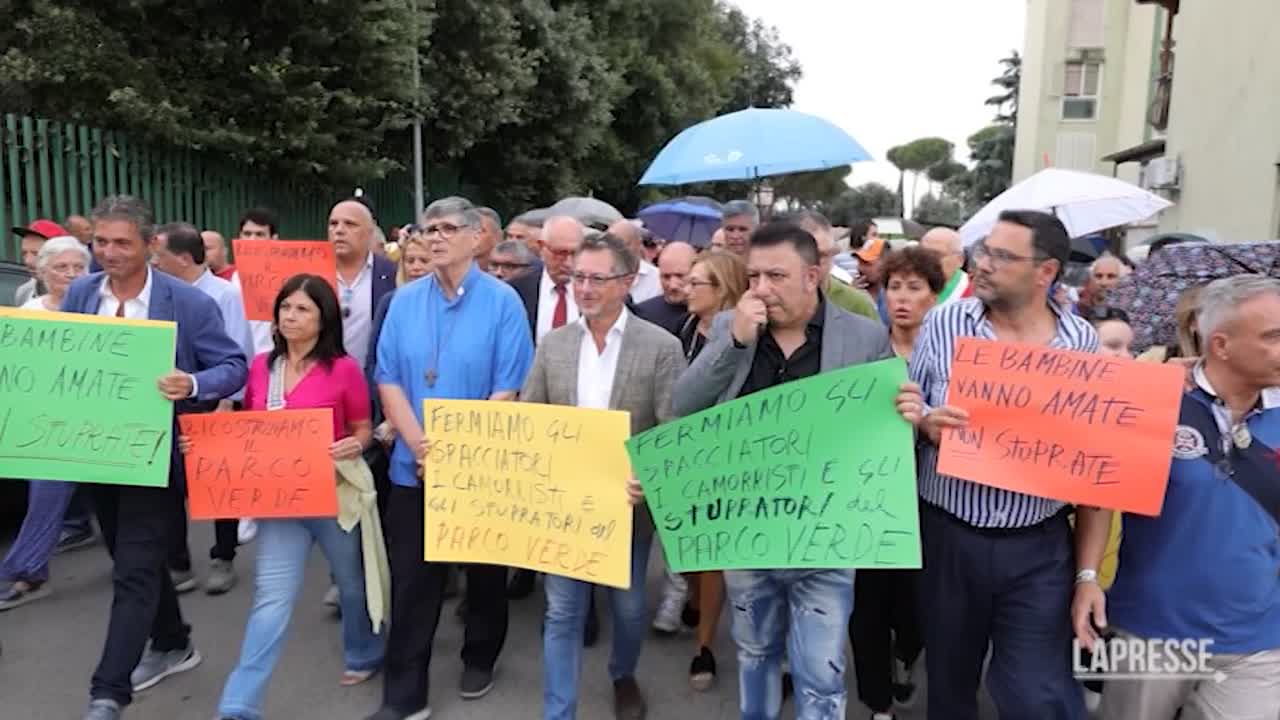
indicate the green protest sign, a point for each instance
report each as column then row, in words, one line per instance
column 817, row 473
column 78, row 398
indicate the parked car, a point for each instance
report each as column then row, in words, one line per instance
column 13, row 494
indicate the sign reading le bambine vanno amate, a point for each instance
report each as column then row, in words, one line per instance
column 78, row 398
column 816, row 473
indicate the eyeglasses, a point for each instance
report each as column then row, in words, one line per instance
column 65, row 269
column 1103, row 314
column 596, row 280
column 702, row 283
column 1001, row 257
column 446, row 230
column 508, row 265
column 559, row 254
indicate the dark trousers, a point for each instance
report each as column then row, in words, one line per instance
column 1007, row 590
column 137, row 528
column 76, row 518
column 883, row 601
column 225, row 540
column 417, row 592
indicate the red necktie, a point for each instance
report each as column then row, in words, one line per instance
column 561, row 313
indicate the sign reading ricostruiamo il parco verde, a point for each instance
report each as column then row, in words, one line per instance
column 817, row 473
column 542, row 487
column 78, row 398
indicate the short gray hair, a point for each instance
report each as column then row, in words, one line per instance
column 734, row 208
column 1220, row 299
column 516, row 249
column 492, row 215
column 453, row 205
column 58, row 245
column 531, row 218
column 809, row 217
column 624, row 261
column 129, row 209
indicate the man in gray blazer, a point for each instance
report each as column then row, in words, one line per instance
column 782, row 330
column 609, row 359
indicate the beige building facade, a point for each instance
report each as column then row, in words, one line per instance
column 1207, row 138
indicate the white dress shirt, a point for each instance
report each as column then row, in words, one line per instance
column 227, row 295
column 647, row 283
column 596, row 369
column 547, row 299
column 134, row 309
column 357, row 313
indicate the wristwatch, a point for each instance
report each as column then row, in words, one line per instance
column 1087, row 575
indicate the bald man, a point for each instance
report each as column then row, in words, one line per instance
column 1106, row 271
column 363, row 276
column 646, row 285
column 947, row 245
column 717, row 240
column 668, row 310
column 215, row 255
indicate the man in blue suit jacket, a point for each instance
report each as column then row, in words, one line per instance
column 137, row 523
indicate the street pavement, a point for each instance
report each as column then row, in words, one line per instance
column 51, row 647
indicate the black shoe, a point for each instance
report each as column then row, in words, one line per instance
column 475, row 684
column 702, row 671
column 788, row 686
column 690, row 617
column 460, row 611
column 521, row 585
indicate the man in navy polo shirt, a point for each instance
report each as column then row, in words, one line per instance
column 1207, row 570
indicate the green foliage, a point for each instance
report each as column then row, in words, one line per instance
column 935, row 210
column 816, row 189
column 863, row 202
column 1006, row 101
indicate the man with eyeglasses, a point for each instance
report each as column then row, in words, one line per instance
column 1205, row 570
column 610, row 359
column 547, row 300
column 458, row 333
column 363, row 276
column 510, row 259
column 999, row 566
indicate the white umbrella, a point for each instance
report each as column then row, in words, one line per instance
column 1084, row 202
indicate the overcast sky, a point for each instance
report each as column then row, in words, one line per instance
column 891, row 71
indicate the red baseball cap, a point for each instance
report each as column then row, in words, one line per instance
column 44, row 228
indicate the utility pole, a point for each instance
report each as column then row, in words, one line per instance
column 419, row 202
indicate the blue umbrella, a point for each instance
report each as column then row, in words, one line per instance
column 750, row 144
column 681, row 220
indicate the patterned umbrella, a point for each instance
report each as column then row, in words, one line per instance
column 1150, row 294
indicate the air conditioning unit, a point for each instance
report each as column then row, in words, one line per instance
column 1162, row 173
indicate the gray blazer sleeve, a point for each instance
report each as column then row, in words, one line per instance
column 535, row 383
column 709, row 376
column 670, row 367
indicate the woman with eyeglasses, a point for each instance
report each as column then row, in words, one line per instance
column 308, row 368
column 26, row 568
column 884, row 629
column 716, row 283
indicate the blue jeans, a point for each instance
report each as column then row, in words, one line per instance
column 28, row 559
column 567, row 601
column 283, row 547
column 803, row 613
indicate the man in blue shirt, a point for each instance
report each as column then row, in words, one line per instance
column 460, row 334
column 1207, row 569
column 998, row 564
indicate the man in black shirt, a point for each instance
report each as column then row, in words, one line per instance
column 668, row 310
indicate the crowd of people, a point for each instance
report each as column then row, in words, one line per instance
column 550, row 310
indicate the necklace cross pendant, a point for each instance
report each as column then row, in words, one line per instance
column 431, row 377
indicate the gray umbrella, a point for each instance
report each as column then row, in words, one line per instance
column 588, row 211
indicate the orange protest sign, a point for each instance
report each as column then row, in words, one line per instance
column 1077, row 427
column 260, row 464
column 265, row 265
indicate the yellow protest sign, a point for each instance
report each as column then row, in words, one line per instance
column 527, row 485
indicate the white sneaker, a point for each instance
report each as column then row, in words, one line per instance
column 667, row 620
column 331, row 596
column 246, row 531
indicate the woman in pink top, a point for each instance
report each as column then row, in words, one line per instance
column 308, row 368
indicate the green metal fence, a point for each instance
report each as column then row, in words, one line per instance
column 51, row 169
